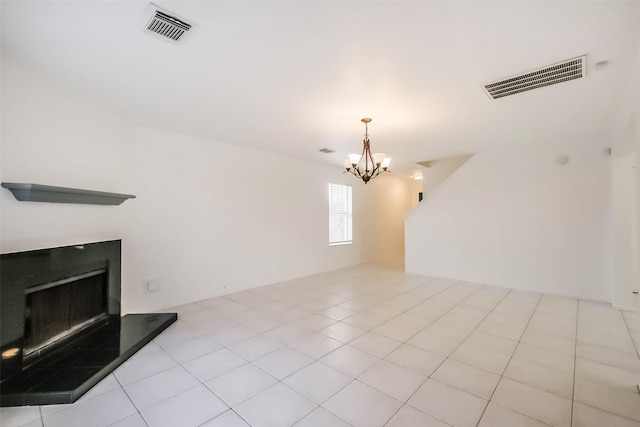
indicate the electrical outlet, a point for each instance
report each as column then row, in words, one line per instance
column 151, row 285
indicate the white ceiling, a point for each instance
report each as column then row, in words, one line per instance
column 294, row 77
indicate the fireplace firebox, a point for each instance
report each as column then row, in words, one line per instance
column 57, row 310
column 61, row 330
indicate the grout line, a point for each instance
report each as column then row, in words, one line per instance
column 130, row 400
column 510, row 358
column 636, row 345
column 575, row 361
column 402, row 343
column 383, row 358
column 445, row 359
column 461, row 342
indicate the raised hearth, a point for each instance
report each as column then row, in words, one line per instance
column 61, row 330
column 81, row 365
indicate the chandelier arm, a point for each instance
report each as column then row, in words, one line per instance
column 356, row 173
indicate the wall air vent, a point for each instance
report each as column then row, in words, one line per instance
column 167, row 26
column 571, row 69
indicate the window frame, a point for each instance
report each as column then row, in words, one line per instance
column 346, row 193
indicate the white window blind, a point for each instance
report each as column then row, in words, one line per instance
column 339, row 214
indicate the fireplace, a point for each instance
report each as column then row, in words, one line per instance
column 61, row 330
column 58, row 310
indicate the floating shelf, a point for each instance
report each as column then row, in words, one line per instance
column 51, row 194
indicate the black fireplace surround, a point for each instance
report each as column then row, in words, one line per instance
column 61, row 331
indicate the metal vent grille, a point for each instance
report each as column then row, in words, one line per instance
column 167, row 26
column 571, row 69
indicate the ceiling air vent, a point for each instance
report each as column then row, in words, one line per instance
column 167, row 26
column 557, row 73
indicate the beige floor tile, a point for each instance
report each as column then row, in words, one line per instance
column 227, row 419
column 500, row 330
column 491, row 342
column 314, row 322
column 255, row 347
column 397, row 330
column 607, row 356
column 499, row 416
column 543, row 357
column 551, row 326
column 549, row 342
column 608, row 341
column 315, row 345
column 375, row 344
column 467, row 378
column 318, row 382
column 336, row 313
column 363, row 406
column 609, row 375
column 442, row 345
column 469, row 323
column 481, row 358
column 515, row 320
column 620, row 331
column 588, row 416
column 214, row 364
column 276, row 406
column 282, row 362
column 394, row 380
column 533, row 402
column 19, row 415
column 558, row 382
column 365, row 320
column 240, row 384
column 415, row 359
column 610, row 399
column 320, row 417
column 288, row 333
column 408, row 416
column 349, row 360
column 192, row 407
column 342, row 332
column 448, row 404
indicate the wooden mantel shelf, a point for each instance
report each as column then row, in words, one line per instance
column 50, row 194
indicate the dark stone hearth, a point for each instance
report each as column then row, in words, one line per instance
column 81, row 365
column 60, row 327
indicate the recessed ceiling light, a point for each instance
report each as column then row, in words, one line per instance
column 327, row 150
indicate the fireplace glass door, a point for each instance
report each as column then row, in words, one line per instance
column 57, row 310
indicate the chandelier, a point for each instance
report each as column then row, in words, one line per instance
column 366, row 166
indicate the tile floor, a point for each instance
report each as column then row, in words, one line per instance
column 372, row 346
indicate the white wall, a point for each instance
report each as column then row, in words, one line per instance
column 209, row 218
column 51, row 135
column 439, row 170
column 624, row 233
column 213, row 218
column 625, row 196
column 514, row 217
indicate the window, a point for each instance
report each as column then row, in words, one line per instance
column 339, row 214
